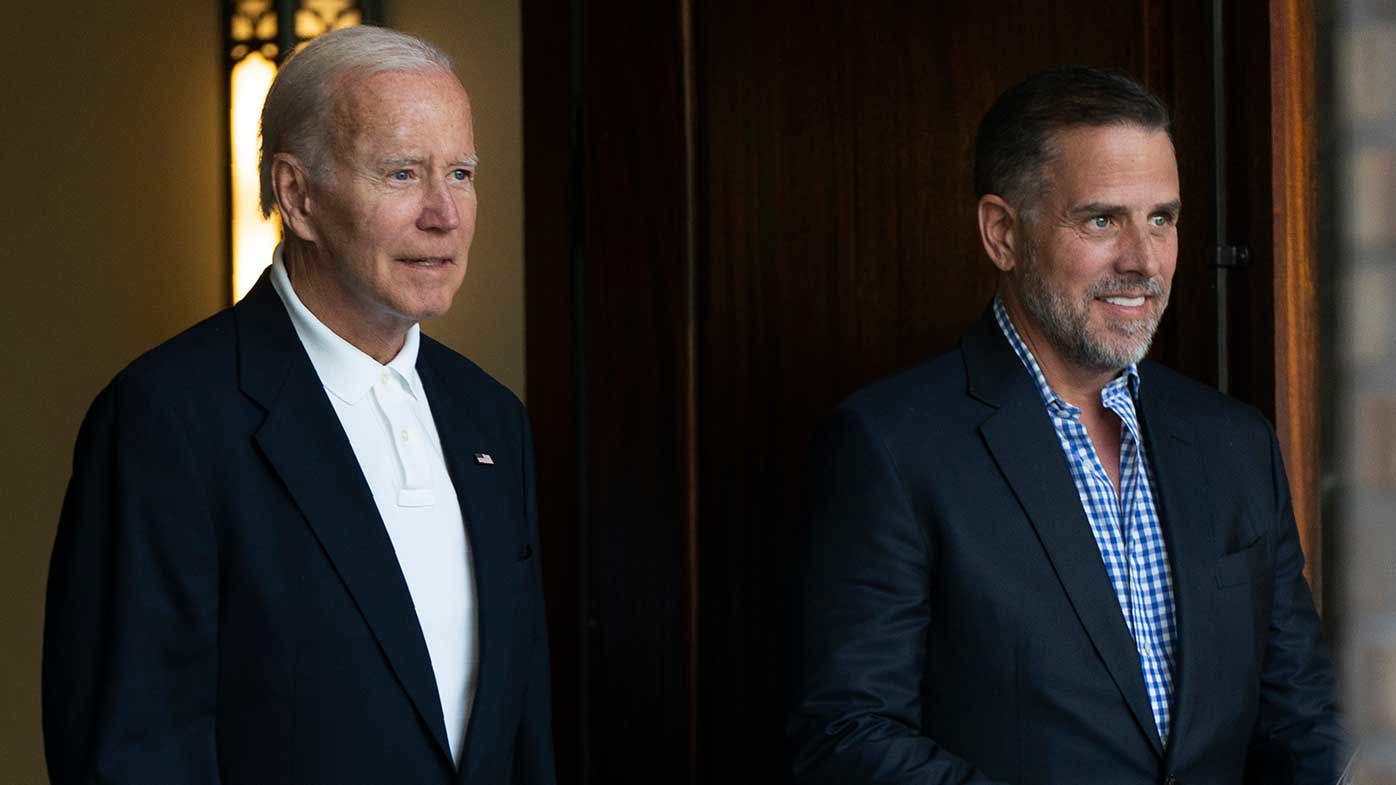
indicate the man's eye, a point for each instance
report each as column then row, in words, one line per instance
column 1162, row 221
column 402, row 175
column 1101, row 222
column 462, row 175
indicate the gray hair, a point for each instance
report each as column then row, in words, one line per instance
column 295, row 115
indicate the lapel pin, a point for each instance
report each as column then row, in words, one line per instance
column 484, row 459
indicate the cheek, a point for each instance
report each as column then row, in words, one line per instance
column 1169, row 261
column 467, row 207
column 1076, row 263
column 389, row 224
column 466, row 213
column 1086, row 266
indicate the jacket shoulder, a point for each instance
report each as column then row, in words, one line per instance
column 461, row 373
column 169, row 386
column 196, row 358
column 1208, row 406
column 933, row 390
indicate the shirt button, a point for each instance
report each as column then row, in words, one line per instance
column 406, row 435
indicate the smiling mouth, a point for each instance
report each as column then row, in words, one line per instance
column 427, row 261
column 1128, row 302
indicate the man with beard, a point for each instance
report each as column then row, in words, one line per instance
column 1040, row 558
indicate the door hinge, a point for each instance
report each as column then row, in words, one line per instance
column 1230, row 257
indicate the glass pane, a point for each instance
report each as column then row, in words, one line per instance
column 308, row 24
column 254, row 237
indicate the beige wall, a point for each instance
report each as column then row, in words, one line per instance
column 483, row 38
column 111, row 237
column 111, row 221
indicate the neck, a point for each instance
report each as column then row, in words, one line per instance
column 1078, row 386
column 312, row 278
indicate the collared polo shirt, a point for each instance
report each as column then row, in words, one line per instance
column 385, row 414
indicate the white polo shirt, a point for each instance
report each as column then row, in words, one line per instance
column 384, row 412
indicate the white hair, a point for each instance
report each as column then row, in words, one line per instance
column 295, row 117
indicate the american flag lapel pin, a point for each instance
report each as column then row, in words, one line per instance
column 484, row 459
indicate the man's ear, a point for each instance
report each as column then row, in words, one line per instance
column 291, row 182
column 1000, row 230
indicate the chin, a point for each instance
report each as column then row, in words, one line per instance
column 438, row 308
column 423, row 314
column 1113, row 349
column 426, row 304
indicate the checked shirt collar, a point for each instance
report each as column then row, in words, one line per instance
column 1125, row 525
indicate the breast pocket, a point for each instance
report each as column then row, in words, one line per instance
column 1243, row 567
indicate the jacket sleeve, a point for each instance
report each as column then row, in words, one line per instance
column 860, row 609
column 130, row 627
column 1298, row 737
column 533, row 746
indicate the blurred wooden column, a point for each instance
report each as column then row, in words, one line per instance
column 1296, row 278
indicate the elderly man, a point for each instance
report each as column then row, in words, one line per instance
column 300, row 542
column 1039, row 558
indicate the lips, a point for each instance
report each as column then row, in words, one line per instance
column 1125, row 301
column 426, row 261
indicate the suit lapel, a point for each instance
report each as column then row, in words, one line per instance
column 306, row 445
column 1025, row 447
column 1182, row 487
column 483, row 494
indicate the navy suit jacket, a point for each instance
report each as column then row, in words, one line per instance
column 955, row 622
column 225, row 606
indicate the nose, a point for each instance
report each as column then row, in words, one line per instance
column 1142, row 252
column 438, row 211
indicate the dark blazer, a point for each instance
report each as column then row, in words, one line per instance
column 225, row 606
column 955, row 622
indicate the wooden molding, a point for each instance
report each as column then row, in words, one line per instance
column 1296, row 271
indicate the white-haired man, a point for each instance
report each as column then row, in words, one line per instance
column 300, row 541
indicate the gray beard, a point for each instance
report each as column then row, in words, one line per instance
column 1066, row 323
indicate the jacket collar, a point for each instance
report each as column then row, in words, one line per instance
column 346, row 371
column 305, row 444
column 1023, row 442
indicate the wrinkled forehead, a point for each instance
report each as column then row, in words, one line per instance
column 1122, row 156
column 378, row 108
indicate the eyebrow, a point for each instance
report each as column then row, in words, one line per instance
column 1096, row 208
column 469, row 160
column 1101, row 208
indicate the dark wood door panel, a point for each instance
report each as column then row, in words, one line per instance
column 607, row 290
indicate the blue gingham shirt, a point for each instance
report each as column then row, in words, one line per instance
column 1126, row 526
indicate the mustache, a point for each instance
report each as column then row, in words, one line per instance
column 1125, row 285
